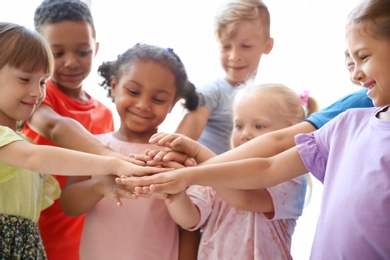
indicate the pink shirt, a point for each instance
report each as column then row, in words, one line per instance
column 140, row 229
column 232, row 234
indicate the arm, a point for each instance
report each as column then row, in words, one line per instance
column 66, row 132
column 92, row 190
column 183, row 211
column 194, row 122
column 61, row 161
column 253, row 173
column 188, row 244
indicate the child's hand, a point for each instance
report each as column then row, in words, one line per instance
column 124, row 168
column 170, row 182
column 167, row 156
column 176, row 142
column 113, row 191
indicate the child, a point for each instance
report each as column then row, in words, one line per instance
column 69, row 28
column 140, row 229
column 242, row 28
column 265, row 231
column 25, row 63
column 349, row 154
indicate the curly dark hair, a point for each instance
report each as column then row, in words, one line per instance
column 145, row 52
column 54, row 11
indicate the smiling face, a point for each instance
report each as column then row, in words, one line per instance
column 21, row 93
column 144, row 95
column 255, row 115
column 74, row 48
column 240, row 54
column 372, row 62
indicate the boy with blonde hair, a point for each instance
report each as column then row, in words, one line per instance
column 242, row 29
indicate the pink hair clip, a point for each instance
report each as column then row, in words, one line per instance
column 305, row 98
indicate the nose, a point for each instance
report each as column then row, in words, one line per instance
column 246, row 135
column 70, row 60
column 357, row 74
column 234, row 54
column 143, row 104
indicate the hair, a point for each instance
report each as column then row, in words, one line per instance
column 165, row 57
column 25, row 49
column 374, row 16
column 286, row 101
column 233, row 12
column 55, row 11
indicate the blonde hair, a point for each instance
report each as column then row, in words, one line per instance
column 25, row 49
column 233, row 12
column 285, row 101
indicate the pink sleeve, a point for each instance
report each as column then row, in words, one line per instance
column 203, row 198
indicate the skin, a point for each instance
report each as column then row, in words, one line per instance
column 142, row 102
column 22, row 92
column 239, row 57
column 371, row 70
column 74, row 49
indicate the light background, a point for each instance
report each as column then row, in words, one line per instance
column 308, row 53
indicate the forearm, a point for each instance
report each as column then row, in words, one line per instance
column 183, row 211
column 76, row 188
column 60, row 161
column 265, row 145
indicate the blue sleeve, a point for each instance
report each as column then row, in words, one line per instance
column 354, row 100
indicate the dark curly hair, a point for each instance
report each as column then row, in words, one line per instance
column 145, row 52
column 54, row 11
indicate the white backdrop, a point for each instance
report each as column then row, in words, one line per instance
column 308, row 53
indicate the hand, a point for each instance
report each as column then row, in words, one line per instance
column 113, row 191
column 129, row 169
column 170, row 182
column 169, row 155
column 177, row 142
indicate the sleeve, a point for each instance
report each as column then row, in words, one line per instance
column 8, row 136
column 203, row 198
column 209, row 96
column 311, row 154
column 354, row 100
column 51, row 191
column 289, row 198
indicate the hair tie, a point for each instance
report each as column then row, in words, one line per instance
column 170, row 50
column 305, row 101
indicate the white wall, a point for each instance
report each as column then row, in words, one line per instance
column 308, row 53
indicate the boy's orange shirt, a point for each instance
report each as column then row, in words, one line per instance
column 61, row 234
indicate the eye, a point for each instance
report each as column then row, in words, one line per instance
column 42, row 83
column 133, row 92
column 246, row 46
column 259, row 127
column 24, row 79
column 363, row 57
column 238, row 127
column 84, row 53
column 159, row 100
column 57, row 54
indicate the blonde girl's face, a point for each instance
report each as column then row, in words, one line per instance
column 74, row 48
column 253, row 116
column 372, row 63
column 144, row 95
column 21, row 93
column 241, row 54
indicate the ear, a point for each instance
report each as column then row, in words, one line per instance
column 113, row 87
column 97, row 45
column 269, row 45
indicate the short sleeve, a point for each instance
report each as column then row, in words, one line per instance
column 311, row 154
column 51, row 191
column 203, row 198
column 7, row 136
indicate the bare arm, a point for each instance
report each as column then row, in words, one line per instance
column 265, row 145
column 92, row 190
column 66, row 132
column 253, row 173
column 188, row 244
column 61, row 161
column 183, row 211
column 193, row 123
